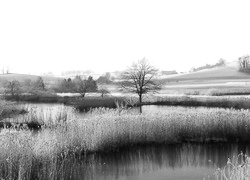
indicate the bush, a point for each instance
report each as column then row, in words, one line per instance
column 85, row 104
column 8, row 109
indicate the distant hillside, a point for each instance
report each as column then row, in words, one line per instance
column 22, row 77
column 230, row 72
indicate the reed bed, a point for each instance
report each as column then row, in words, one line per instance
column 236, row 168
column 85, row 104
column 10, row 109
column 108, row 129
column 39, row 116
column 47, row 154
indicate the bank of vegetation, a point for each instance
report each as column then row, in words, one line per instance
column 236, row 102
column 222, row 91
column 51, row 153
column 8, row 109
column 88, row 103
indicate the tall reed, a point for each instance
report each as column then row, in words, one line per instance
column 236, row 168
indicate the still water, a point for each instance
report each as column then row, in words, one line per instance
column 168, row 162
column 189, row 161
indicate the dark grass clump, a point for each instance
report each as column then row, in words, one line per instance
column 37, row 98
column 8, row 109
column 88, row 103
column 7, row 113
column 33, row 125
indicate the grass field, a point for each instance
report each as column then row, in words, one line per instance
column 218, row 81
column 230, row 71
column 237, row 102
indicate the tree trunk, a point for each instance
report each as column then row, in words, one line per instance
column 140, row 102
column 140, row 109
column 12, row 91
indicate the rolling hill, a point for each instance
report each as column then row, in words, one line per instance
column 48, row 80
column 228, row 73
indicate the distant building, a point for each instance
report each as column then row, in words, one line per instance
column 168, row 72
column 103, row 80
column 47, row 74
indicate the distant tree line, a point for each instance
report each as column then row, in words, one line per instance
column 77, row 85
column 76, row 72
column 15, row 88
column 220, row 63
column 5, row 70
column 83, row 86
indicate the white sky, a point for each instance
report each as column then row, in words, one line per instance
column 58, row 35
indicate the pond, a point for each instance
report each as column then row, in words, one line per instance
column 186, row 161
column 174, row 162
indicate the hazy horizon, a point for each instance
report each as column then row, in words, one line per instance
column 105, row 36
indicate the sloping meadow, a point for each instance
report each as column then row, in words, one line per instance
column 54, row 151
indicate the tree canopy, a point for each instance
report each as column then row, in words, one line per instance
column 139, row 78
column 84, row 86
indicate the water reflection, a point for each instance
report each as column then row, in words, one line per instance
column 182, row 161
column 161, row 108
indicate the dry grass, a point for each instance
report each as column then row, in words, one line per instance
column 237, row 168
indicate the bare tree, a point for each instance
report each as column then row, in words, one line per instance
column 80, row 86
column 84, row 86
column 12, row 88
column 244, row 63
column 139, row 79
column 39, row 84
column 103, row 90
column 7, row 70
